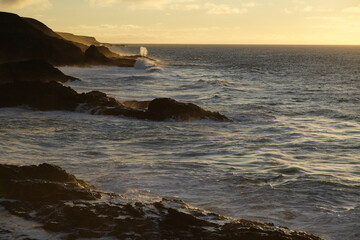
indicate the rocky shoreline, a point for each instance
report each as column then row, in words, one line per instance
column 24, row 39
column 63, row 204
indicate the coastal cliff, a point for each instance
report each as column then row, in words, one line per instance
column 26, row 38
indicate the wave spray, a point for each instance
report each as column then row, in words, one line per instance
column 143, row 51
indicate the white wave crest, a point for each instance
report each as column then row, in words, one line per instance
column 147, row 64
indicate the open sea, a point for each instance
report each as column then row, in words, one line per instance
column 291, row 155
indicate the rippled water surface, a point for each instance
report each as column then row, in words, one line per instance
column 291, row 156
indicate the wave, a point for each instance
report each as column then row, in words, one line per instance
column 147, row 64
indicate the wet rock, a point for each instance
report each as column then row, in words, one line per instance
column 31, row 70
column 39, row 95
column 48, row 96
column 140, row 105
column 42, row 183
column 161, row 109
column 75, row 210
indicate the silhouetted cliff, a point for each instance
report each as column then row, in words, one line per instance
column 26, row 38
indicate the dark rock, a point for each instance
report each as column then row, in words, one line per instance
column 99, row 55
column 161, row 109
column 24, row 38
column 140, row 105
column 54, row 96
column 84, row 40
column 106, row 52
column 70, row 209
column 39, row 95
column 42, row 183
column 93, row 56
column 31, row 70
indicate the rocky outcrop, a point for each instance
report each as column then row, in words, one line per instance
column 31, row 70
column 107, row 52
column 85, row 40
column 23, row 39
column 100, row 55
column 26, row 38
column 161, row 109
column 54, row 96
column 63, row 204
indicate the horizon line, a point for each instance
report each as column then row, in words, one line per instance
column 238, row 44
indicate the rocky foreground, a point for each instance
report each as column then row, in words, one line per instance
column 63, row 204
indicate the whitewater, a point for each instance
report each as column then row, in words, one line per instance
column 290, row 155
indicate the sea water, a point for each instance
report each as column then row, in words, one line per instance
column 291, row 155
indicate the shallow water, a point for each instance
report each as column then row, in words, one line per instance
column 291, row 155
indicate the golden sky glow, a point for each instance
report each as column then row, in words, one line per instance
column 200, row 21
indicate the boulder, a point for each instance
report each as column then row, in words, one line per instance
column 161, row 109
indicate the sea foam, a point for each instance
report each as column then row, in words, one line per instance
column 147, row 64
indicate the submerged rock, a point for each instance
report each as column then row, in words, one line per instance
column 54, row 96
column 66, row 205
column 31, row 70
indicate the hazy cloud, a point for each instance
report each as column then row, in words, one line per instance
column 24, row 3
column 101, row 3
column 355, row 9
column 181, row 5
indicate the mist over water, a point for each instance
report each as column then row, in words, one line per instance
column 290, row 156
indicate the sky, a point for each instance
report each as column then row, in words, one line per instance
column 324, row 22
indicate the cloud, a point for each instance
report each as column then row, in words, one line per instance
column 355, row 9
column 101, row 3
column 179, row 5
column 12, row 4
column 218, row 9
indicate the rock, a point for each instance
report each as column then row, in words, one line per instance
column 64, row 204
column 31, row 70
column 42, row 183
column 107, row 52
column 39, row 95
column 85, row 40
column 47, row 96
column 99, row 55
column 94, row 56
column 24, row 38
column 140, row 105
column 161, row 109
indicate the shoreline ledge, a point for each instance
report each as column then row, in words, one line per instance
column 73, row 209
column 53, row 96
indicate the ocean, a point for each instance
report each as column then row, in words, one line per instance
column 290, row 155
